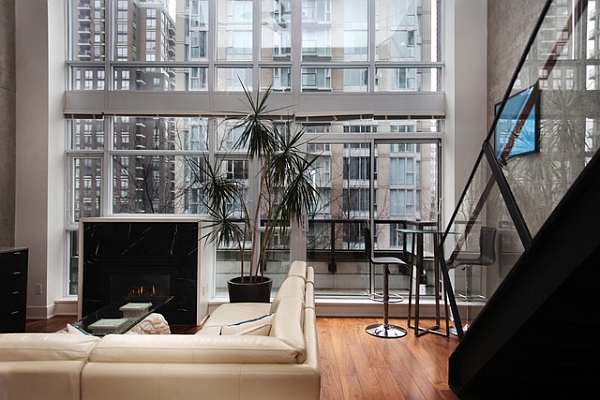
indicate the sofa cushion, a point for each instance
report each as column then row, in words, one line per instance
column 193, row 349
column 259, row 326
column 45, row 346
column 292, row 286
column 231, row 313
column 288, row 325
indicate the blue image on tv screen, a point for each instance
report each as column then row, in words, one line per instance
column 527, row 140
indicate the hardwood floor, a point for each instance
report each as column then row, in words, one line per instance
column 356, row 365
column 53, row 324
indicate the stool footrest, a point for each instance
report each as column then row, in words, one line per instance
column 393, row 297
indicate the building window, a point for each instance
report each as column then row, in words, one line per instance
column 316, row 11
column 402, row 171
column 198, row 79
column 356, row 200
column 236, row 33
column 316, row 79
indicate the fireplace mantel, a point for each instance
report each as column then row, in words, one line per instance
column 138, row 250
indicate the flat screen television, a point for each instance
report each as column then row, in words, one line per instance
column 528, row 139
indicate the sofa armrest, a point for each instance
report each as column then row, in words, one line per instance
column 45, row 346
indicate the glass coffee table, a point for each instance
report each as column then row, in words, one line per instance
column 120, row 315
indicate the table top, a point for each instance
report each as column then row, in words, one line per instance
column 113, row 319
column 412, row 230
column 12, row 249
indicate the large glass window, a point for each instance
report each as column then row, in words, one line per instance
column 145, row 156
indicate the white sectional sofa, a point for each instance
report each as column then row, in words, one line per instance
column 273, row 354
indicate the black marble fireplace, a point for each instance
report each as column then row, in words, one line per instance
column 140, row 260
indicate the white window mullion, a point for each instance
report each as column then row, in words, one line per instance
column 106, row 206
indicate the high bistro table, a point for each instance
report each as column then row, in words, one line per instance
column 418, row 231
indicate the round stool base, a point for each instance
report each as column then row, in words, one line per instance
column 386, row 331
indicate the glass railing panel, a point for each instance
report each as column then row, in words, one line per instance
column 549, row 129
column 335, row 249
column 481, row 245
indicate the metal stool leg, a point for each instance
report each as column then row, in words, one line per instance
column 386, row 330
column 439, row 290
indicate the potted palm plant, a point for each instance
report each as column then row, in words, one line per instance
column 285, row 192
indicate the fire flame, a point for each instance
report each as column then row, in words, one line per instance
column 143, row 291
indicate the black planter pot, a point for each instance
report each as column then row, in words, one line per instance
column 258, row 291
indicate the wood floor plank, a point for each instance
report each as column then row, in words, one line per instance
column 53, row 324
column 403, row 366
column 411, row 364
column 379, row 360
column 330, row 387
column 366, row 373
column 351, row 389
column 340, row 348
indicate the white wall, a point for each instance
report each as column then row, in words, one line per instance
column 40, row 180
column 465, row 34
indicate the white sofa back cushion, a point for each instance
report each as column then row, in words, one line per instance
column 292, row 287
column 297, row 268
column 288, row 324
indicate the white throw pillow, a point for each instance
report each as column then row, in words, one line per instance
column 259, row 327
column 153, row 324
column 76, row 330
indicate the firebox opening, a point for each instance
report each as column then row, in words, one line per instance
column 138, row 287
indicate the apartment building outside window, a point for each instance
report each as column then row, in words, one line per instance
column 374, row 162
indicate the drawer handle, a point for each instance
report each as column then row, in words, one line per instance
column 16, row 273
column 16, row 292
column 14, row 312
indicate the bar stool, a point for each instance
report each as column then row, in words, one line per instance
column 384, row 330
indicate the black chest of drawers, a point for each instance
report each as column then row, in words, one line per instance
column 13, row 289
